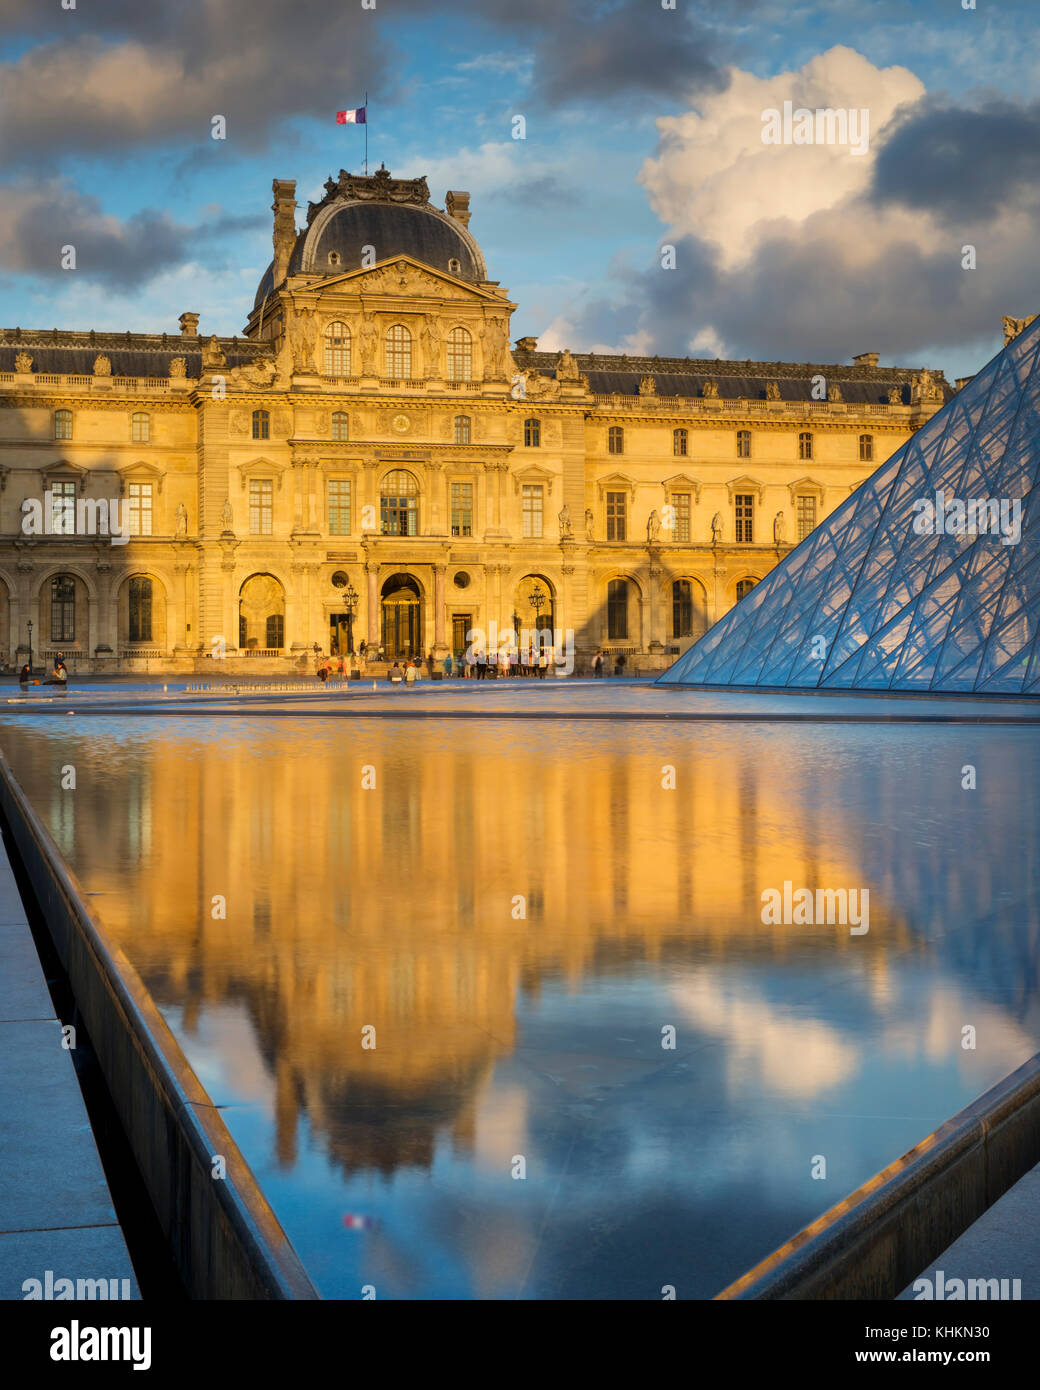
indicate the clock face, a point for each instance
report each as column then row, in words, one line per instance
column 400, row 423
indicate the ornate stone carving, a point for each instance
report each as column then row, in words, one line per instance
column 834, row 394
column 566, row 367
column 261, row 373
column 283, row 422
column 240, row 421
column 710, row 389
column 494, row 344
column 590, row 522
column 925, row 388
column 653, row 527
column 182, row 519
column 1013, row 327
column 716, row 529
column 23, row 362
column 895, row 395
column 564, row 518
column 778, row 529
column 178, row 366
column 102, row 366
column 227, row 516
column 773, row 391
column 378, row 187
column 430, row 347
column 212, row 356
column 542, row 388
column 368, row 339
column 647, row 386
column 303, row 334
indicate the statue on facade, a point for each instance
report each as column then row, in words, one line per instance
column 102, row 366
column 212, row 355
column 1013, row 327
column 710, row 389
column 182, row 519
column 304, row 336
column 647, row 386
column 428, row 339
column 834, row 394
column 590, row 522
column 773, row 391
column 778, row 529
column 23, row 362
column 226, row 517
column 368, row 337
column 493, row 344
column 178, row 366
column 566, row 530
column 653, row 527
column 566, row 367
column 925, row 388
column 895, row 395
column 716, row 528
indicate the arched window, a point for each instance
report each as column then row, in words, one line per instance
column 261, row 424
column 615, row 440
column 532, row 434
column 340, row 424
column 455, row 266
column 682, row 608
column 460, row 355
column 140, row 599
column 399, row 504
column 680, row 443
column 866, row 448
column 462, row 429
column 63, row 608
column 63, row 424
column 744, row 586
column 337, row 350
column 617, row 610
column 805, row 445
column 398, row 352
column 139, row 427
column 743, row 444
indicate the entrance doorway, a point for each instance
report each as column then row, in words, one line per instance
column 341, row 634
column 461, row 623
column 402, row 618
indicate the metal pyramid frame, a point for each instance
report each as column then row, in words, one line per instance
column 877, row 598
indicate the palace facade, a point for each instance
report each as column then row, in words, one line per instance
column 373, row 461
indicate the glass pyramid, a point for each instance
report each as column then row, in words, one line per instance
column 903, row 589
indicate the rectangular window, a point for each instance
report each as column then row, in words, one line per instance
column 617, row 610
column 140, row 609
column 63, row 509
column 681, row 506
column 260, row 506
column 140, row 509
column 744, row 505
column 806, row 516
column 63, row 609
column 682, row 608
column 532, row 506
column 339, row 507
column 617, row 516
column 462, row 509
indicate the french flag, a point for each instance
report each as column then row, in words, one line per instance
column 355, row 117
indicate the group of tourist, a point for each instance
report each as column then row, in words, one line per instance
column 470, row 665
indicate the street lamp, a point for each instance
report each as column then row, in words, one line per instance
column 350, row 598
column 538, row 601
column 30, row 646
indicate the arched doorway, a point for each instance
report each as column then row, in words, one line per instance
column 402, row 618
column 534, row 605
column 261, row 614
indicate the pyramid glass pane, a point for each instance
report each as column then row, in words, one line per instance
column 925, row 578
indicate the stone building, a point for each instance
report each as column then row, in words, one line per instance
column 373, row 461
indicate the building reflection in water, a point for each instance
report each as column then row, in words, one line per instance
column 395, row 908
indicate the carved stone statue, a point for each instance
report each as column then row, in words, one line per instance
column 182, row 519
column 778, row 529
column 493, row 345
column 773, row 391
column 647, row 386
column 263, row 372
column 834, row 394
column 653, row 527
column 895, row 395
column 716, row 528
column 369, row 339
column 102, row 366
column 1013, row 327
column 566, row 530
column 213, row 356
column 178, row 366
column 925, row 388
column 304, row 336
column 710, row 389
column 428, row 339
column 590, row 522
column 23, row 362
column 566, row 367
column 226, row 516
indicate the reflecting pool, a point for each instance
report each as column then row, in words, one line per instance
column 525, row 916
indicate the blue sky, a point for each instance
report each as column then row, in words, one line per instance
column 810, row 254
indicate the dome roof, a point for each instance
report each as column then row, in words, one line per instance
column 393, row 217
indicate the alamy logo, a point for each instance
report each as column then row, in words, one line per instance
column 801, row 907
column 978, row 516
column 81, row 516
column 949, row 1290
column 76, row 1343
column 49, row 1287
column 824, row 126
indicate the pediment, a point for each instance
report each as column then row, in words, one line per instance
column 405, row 277
column 746, row 483
column 534, row 475
column 617, row 482
column 140, row 472
column 261, row 468
column 682, row 482
column 806, row 487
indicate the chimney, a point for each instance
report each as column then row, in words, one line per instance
column 284, row 209
column 866, row 359
column 527, row 344
column 189, row 325
column 457, row 205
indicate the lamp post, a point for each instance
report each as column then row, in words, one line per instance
column 350, row 598
column 538, row 600
column 30, row 646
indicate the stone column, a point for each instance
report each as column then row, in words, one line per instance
column 372, row 574
column 439, row 647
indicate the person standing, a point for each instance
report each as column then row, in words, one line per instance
column 429, row 665
column 409, row 673
column 447, row 667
